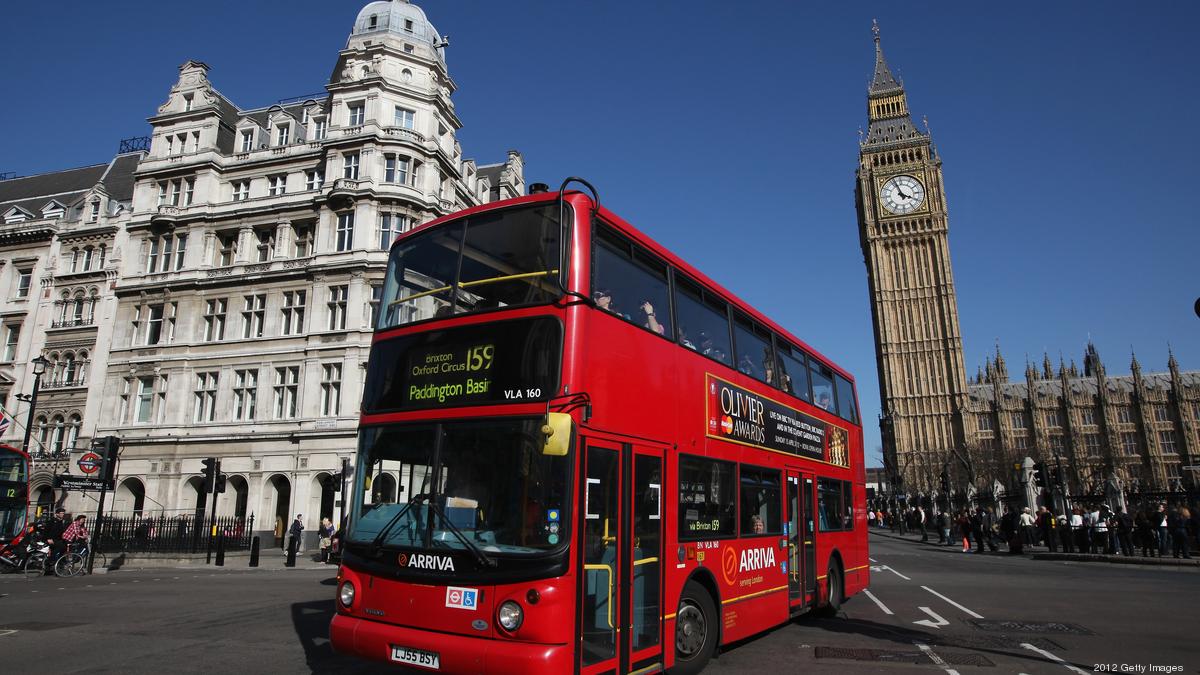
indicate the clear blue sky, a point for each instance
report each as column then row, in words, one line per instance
column 729, row 132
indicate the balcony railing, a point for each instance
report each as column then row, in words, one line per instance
column 64, row 383
column 73, row 323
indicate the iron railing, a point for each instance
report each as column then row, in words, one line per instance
column 173, row 534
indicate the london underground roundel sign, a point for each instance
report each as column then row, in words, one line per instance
column 90, row 462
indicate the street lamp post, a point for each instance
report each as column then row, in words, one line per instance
column 39, row 368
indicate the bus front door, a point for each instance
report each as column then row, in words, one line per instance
column 802, row 573
column 622, row 537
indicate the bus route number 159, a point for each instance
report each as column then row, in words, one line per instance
column 480, row 357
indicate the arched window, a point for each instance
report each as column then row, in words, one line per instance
column 57, row 434
column 103, row 253
column 43, row 433
column 93, row 299
column 77, row 309
column 55, row 370
column 68, row 368
column 81, row 368
column 73, row 425
column 62, row 308
column 75, row 259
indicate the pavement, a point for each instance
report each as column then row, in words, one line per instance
column 1044, row 553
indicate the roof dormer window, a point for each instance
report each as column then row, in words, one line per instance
column 94, row 213
column 373, row 22
column 247, row 140
column 187, row 102
column 357, row 114
column 283, row 134
column 408, row 26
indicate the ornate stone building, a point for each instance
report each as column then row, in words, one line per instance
column 237, row 299
column 1142, row 427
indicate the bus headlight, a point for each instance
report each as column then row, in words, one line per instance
column 510, row 615
column 346, row 594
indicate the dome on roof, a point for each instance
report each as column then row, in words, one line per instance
column 398, row 17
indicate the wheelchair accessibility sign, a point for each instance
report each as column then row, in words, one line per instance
column 462, row 598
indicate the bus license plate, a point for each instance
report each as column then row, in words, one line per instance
column 416, row 657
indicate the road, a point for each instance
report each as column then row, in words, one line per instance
column 929, row 611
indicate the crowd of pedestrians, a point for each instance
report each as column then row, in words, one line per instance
column 1150, row 532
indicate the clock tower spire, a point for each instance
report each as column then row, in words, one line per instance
column 904, row 232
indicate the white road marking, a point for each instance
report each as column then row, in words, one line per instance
column 872, row 560
column 937, row 622
column 977, row 616
column 7, row 632
column 935, row 658
column 885, row 567
column 877, row 602
column 1054, row 658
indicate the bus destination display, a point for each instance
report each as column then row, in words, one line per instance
column 506, row 362
column 740, row 415
column 450, row 375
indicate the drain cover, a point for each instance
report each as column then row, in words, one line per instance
column 1030, row 626
column 877, row 655
column 38, row 625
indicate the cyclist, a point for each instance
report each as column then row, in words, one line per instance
column 77, row 533
column 53, row 532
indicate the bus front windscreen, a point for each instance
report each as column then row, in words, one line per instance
column 505, row 258
column 483, row 487
column 14, row 486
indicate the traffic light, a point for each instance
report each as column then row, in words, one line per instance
column 221, row 483
column 1056, row 472
column 210, row 471
column 108, row 447
column 1039, row 474
column 945, row 483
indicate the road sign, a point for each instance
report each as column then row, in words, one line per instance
column 90, row 463
column 81, row 483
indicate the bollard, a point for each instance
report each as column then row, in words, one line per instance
column 293, row 544
column 221, row 550
column 254, row 551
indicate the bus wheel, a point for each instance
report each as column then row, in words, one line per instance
column 833, row 580
column 695, row 630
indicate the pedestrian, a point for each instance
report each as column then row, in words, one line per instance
column 326, row 535
column 1144, row 534
column 919, row 516
column 1177, row 524
column 965, row 528
column 1046, row 526
column 943, row 525
column 1124, row 527
column 295, row 532
column 1027, row 522
column 1078, row 529
column 870, row 518
column 1064, row 532
column 1164, row 534
column 1010, row 531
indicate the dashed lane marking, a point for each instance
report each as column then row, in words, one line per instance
column 935, row 658
column 977, row 616
column 1054, row 658
column 6, row 632
column 880, row 568
column 877, row 602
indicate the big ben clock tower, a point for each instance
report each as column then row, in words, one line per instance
column 904, row 234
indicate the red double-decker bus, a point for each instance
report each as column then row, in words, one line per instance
column 579, row 454
column 14, row 495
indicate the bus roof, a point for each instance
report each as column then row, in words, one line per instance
column 576, row 197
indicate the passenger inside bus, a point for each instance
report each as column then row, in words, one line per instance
column 651, row 321
column 604, row 301
column 685, row 340
column 824, row 400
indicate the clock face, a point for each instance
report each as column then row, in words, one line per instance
column 902, row 194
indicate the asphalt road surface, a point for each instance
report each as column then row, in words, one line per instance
column 929, row 611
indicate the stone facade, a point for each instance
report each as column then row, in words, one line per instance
column 1141, row 427
column 237, row 305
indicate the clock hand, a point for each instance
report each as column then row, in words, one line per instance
column 906, row 196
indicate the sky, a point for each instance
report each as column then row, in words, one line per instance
column 728, row 131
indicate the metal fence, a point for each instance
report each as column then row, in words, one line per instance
column 173, row 534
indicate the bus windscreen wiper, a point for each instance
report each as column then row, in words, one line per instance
column 483, row 558
column 378, row 541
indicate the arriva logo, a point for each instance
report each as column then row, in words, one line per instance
column 754, row 559
column 437, row 563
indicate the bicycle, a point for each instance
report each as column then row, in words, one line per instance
column 75, row 562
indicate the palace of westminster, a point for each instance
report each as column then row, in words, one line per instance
column 212, row 292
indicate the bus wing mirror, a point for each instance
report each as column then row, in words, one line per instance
column 557, row 431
